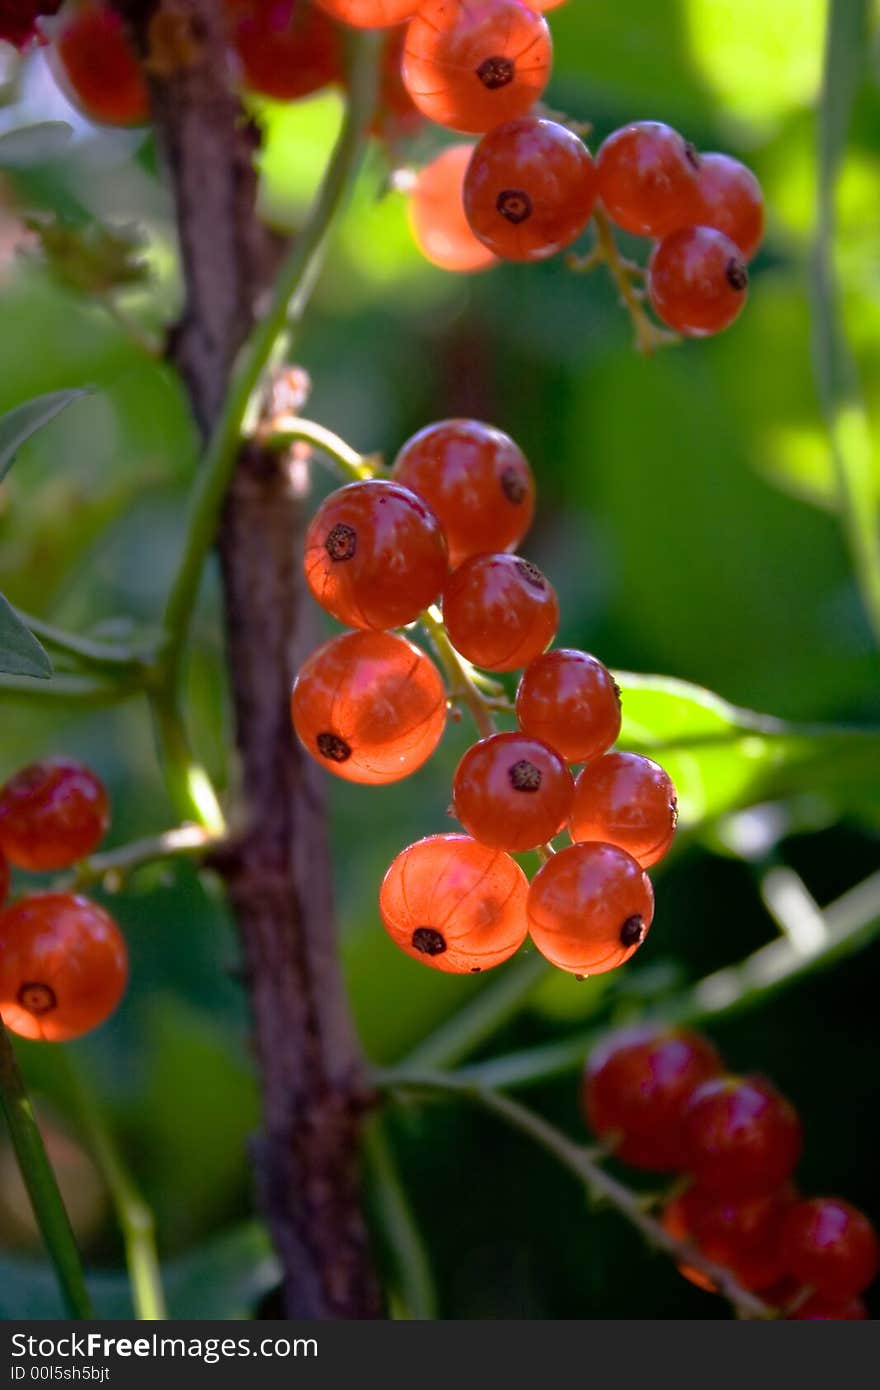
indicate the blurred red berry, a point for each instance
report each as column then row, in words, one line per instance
column 288, row 49
column 51, row 814
column 436, row 213
column 831, row 1247
column 370, row 14
column 740, row 1234
column 731, row 201
column 19, row 19
column 97, row 66
column 819, row 1309
column 742, row 1137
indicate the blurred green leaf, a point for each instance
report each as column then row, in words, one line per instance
column 33, row 144
column 17, row 425
column 20, row 652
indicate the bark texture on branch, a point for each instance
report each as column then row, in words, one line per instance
column 279, row 875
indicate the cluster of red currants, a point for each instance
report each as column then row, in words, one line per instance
column 659, row 1098
column 371, row 707
column 63, row 960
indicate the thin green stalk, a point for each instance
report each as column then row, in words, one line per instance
column 601, row 1186
column 397, row 1226
column 461, row 686
column 41, row 1184
column 293, row 289
column 479, row 1020
column 133, row 1214
column 94, row 655
column 834, row 366
column 350, row 463
column 189, row 786
column 114, row 867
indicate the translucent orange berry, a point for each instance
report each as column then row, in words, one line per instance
column 571, row 701
column 512, row 792
column 436, row 214
column 369, row 707
column 647, row 178
column 370, row 14
column 455, row 905
column 63, row 966
column 626, row 800
column 51, row 814
column 471, row 64
column 731, row 201
column 590, row 908
column 500, row 611
column 375, row 555
column 476, row 481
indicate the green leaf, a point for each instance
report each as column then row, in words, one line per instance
column 34, row 144
column 722, row 758
column 17, row 426
column 20, row 652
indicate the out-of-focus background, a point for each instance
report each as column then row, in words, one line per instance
column 687, row 518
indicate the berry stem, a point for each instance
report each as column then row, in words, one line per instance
column 112, row 869
column 480, row 1019
column 458, row 672
column 352, row 465
column 189, row 786
column 395, row 1222
column 134, row 1215
column 624, row 273
column 601, row 1186
column 41, row 1184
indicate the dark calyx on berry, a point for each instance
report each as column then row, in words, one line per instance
column 737, row 275
column 515, row 205
column 341, row 543
column 632, row 933
column 524, row 776
column 37, row 998
column 496, row 72
column 531, row 574
column 428, row 941
column 333, row 747
column 514, row 486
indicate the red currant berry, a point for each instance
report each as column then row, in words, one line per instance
column 590, row 908
column 397, row 115
column 475, row 480
column 455, row 905
column 512, row 792
column 63, row 966
column 741, row 1234
column 500, row 611
column 51, row 814
column 530, row 189
column 543, row 5
column 370, row 14
column 647, row 176
column 375, row 555
column 471, row 64
column 636, row 1087
column 831, row 1247
column 436, row 214
column 731, row 201
column 697, row 281
column 742, row 1138
column 819, row 1309
column 19, row 19
column 288, row 49
column 626, row 800
column 369, row 707
column 4, row 879
column 571, row 701
column 97, row 66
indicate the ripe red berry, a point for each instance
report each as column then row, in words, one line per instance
column 831, row 1247
column 19, row 19
column 436, row 213
column 4, row 879
column 512, row 792
column 590, row 908
column 731, row 201
column 455, row 905
column 471, row 64
column 647, row 177
column 636, row 1086
column 697, row 281
column 741, row 1234
column 97, row 66
column 287, row 48
column 51, row 814
column 370, row 14
column 500, row 611
column 63, row 966
column 571, row 701
column 375, row 555
column 530, row 189
column 626, row 800
column 819, row 1309
column 369, row 707
column 397, row 114
column 742, row 1138
column 475, row 480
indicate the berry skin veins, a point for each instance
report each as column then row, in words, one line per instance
column 512, row 793
column 571, row 701
column 500, row 611
column 590, row 908
column 627, row 800
column 455, row 905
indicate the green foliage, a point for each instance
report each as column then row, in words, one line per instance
column 20, row 652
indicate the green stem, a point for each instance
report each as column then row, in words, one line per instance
column 41, row 1184
column 134, row 1216
column 479, row 1020
column 397, row 1226
column 350, row 463
column 582, row 1163
column 461, row 686
column 853, row 921
column 268, row 341
column 113, row 868
column 835, row 369
column 189, row 787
